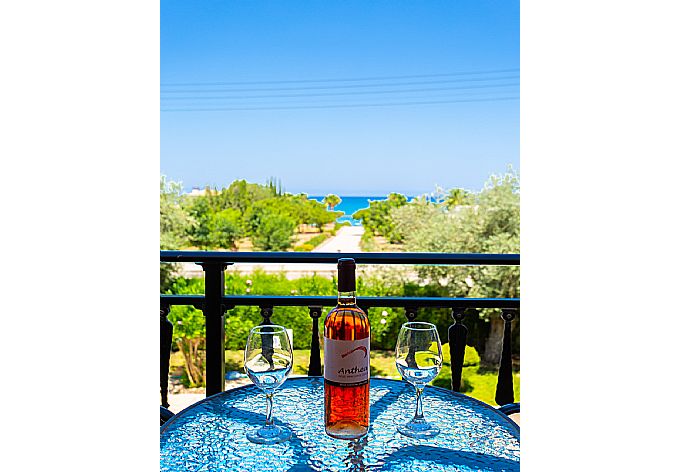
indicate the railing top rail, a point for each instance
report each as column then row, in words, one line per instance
column 364, row 302
column 422, row 258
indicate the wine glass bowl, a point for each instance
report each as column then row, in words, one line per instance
column 418, row 358
column 268, row 361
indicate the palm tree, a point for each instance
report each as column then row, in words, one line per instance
column 457, row 197
column 332, row 201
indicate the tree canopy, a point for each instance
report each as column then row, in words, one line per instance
column 332, row 201
column 219, row 219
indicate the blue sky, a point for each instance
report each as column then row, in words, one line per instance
column 335, row 135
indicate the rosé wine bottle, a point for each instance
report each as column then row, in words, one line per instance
column 346, row 361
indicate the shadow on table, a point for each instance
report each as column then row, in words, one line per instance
column 443, row 456
column 380, row 405
column 256, row 420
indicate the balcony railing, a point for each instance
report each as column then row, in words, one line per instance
column 214, row 303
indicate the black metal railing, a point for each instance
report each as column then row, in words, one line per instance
column 214, row 303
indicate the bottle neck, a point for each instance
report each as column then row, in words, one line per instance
column 347, row 298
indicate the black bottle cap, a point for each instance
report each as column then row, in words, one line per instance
column 346, row 274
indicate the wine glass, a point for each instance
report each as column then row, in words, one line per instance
column 268, row 361
column 418, row 358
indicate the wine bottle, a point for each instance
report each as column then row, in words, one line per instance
column 346, row 361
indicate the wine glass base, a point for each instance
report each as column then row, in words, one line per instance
column 418, row 429
column 272, row 435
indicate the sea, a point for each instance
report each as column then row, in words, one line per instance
column 350, row 205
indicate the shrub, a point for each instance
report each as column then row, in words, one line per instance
column 306, row 247
column 340, row 225
column 312, row 243
column 318, row 239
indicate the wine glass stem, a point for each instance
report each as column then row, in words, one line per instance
column 419, row 413
column 269, row 410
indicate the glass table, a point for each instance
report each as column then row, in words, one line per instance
column 210, row 435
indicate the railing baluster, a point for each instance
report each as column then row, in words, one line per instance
column 214, row 308
column 315, row 354
column 166, row 346
column 457, row 340
column 266, row 313
column 504, row 388
column 214, row 312
column 411, row 314
column 266, row 339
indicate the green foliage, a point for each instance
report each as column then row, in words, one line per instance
column 273, row 232
column 242, row 319
column 339, row 225
column 220, row 218
column 313, row 242
column 226, row 228
column 377, row 218
column 174, row 222
column 189, row 323
column 189, row 332
column 240, row 195
column 319, row 238
column 458, row 197
column 306, row 247
column 201, row 210
column 366, row 243
column 332, row 201
column 311, row 212
column 490, row 226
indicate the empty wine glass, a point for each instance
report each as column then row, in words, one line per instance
column 268, row 361
column 418, row 358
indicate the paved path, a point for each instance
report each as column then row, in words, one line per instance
column 346, row 240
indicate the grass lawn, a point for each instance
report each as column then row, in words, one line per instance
column 477, row 383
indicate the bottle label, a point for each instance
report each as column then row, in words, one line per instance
column 346, row 362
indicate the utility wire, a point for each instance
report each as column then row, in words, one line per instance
column 341, row 106
column 349, row 79
column 327, row 87
column 450, row 95
column 366, row 92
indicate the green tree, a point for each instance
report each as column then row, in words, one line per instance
column 490, row 226
column 226, row 228
column 377, row 218
column 174, row 222
column 240, row 195
column 458, row 197
column 332, row 201
column 274, row 232
column 201, row 210
column 189, row 331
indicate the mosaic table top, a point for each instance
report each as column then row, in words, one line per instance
column 210, row 435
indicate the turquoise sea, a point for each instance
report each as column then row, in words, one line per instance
column 349, row 205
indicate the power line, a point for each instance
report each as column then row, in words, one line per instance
column 425, row 96
column 328, row 87
column 360, row 105
column 349, row 79
column 326, row 94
